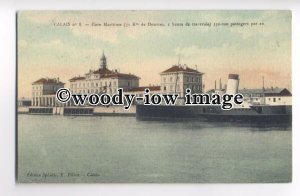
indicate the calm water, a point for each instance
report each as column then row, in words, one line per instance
column 121, row 149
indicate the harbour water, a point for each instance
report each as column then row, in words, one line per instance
column 121, row 149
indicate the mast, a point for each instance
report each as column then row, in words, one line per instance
column 263, row 80
column 263, row 89
column 177, row 74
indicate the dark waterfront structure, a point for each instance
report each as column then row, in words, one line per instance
column 254, row 114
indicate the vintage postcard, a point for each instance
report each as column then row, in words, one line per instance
column 154, row 97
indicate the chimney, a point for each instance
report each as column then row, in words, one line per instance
column 232, row 84
column 215, row 84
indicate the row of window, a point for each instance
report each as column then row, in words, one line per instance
column 92, row 84
column 93, row 76
column 253, row 95
column 96, row 84
column 178, row 78
column 37, row 87
column 270, row 99
column 47, row 87
column 192, row 87
column 37, row 93
column 84, row 91
column 274, row 99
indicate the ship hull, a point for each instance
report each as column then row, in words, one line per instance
column 255, row 114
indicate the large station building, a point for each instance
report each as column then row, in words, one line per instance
column 103, row 80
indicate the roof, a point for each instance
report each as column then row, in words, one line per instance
column 142, row 88
column 179, row 68
column 76, row 78
column 106, row 73
column 48, row 81
column 260, row 90
column 103, row 71
column 119, row 75
column 267, row 91
column 214, row 90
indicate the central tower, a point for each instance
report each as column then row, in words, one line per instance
column 103, row 62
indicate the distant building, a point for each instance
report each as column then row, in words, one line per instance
column 44, row 90
column 269, row 96
column 103, row 80
column 180, row 77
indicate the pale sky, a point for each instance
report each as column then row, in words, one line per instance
column 46, row 50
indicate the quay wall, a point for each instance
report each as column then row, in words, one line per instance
column 99, row 111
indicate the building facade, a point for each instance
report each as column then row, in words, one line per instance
column 268, row 96
column 44, row 90
column 103, row 80
column 180, row 77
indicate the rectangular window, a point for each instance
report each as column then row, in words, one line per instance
column 274, row 99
